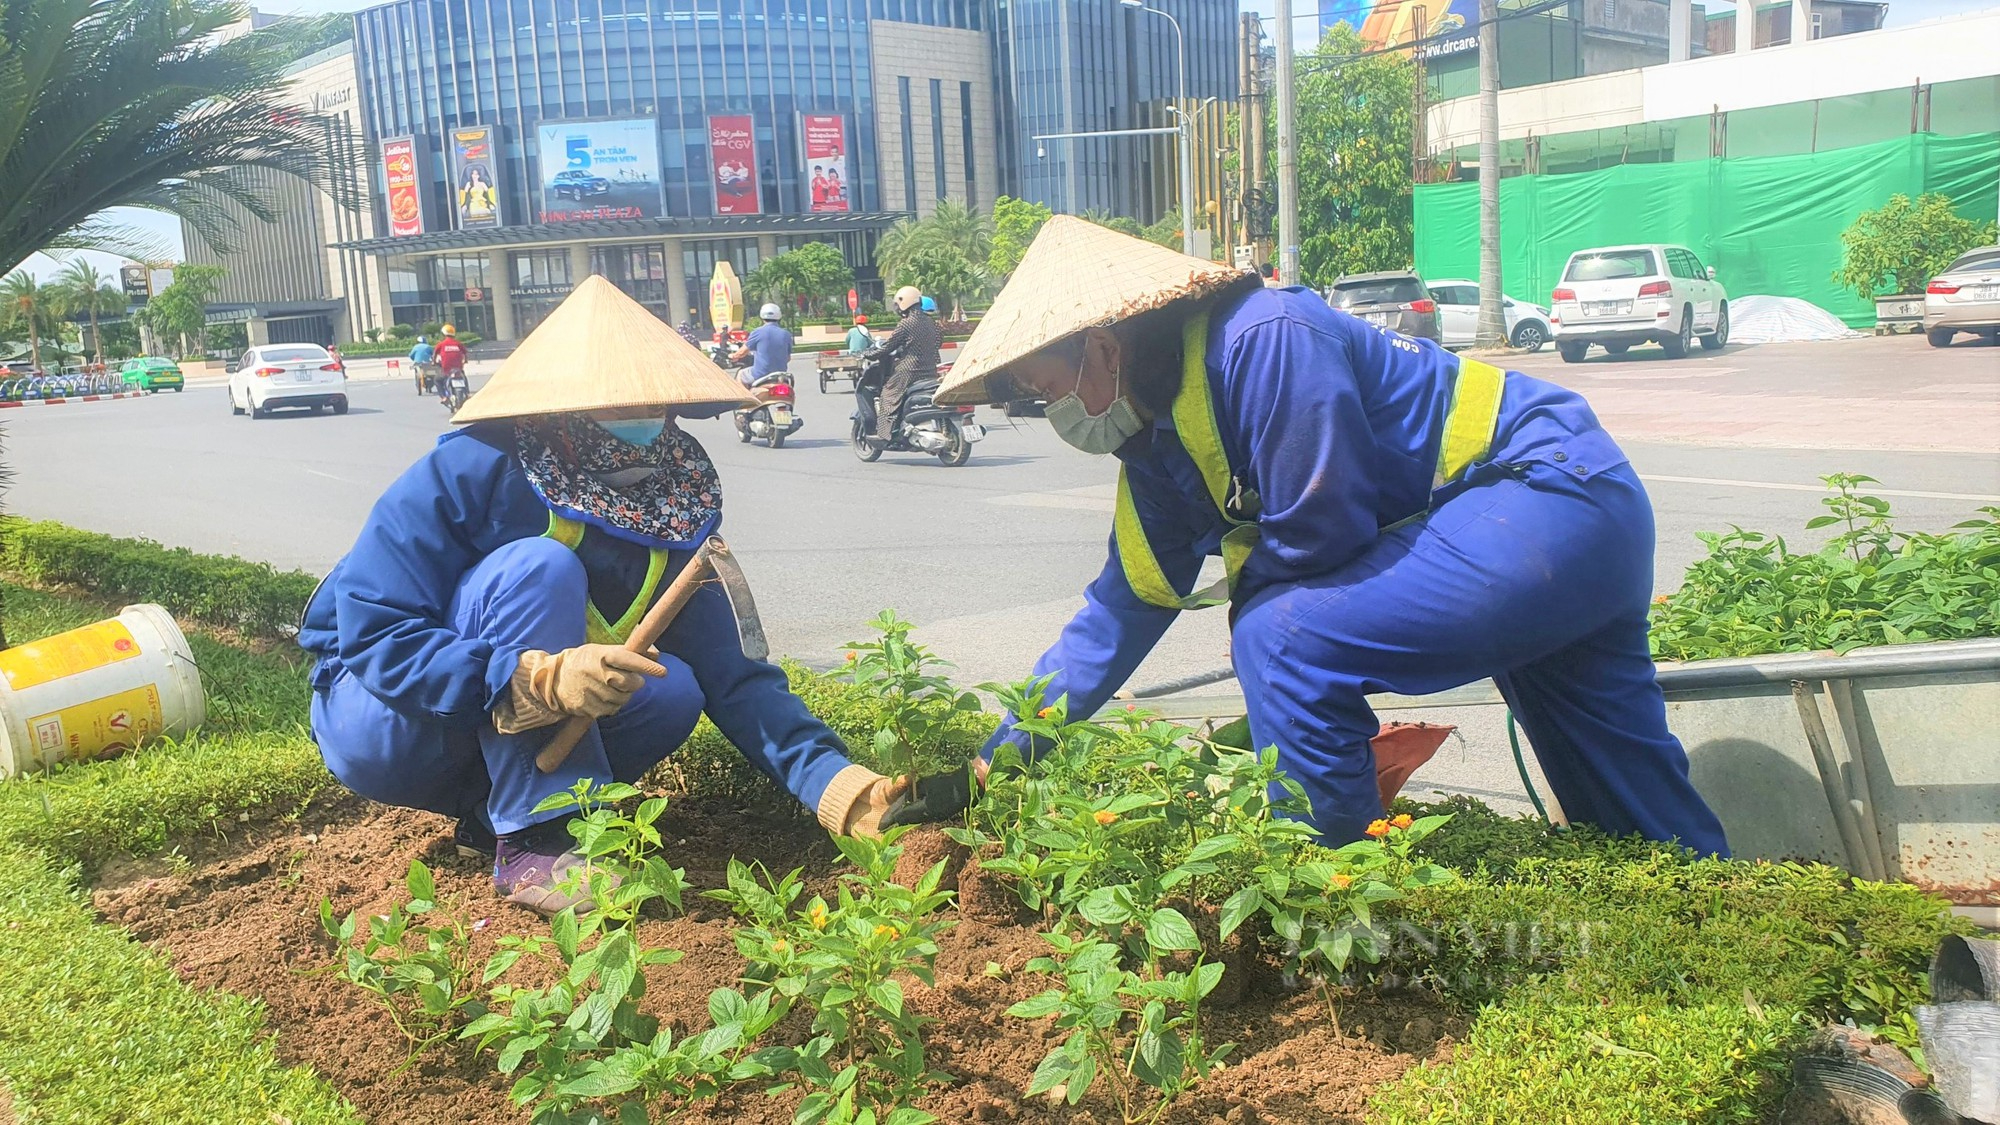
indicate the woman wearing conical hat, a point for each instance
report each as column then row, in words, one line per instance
column 490, row 590
column 1389, row 517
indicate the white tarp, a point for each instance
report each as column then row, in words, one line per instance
column 1758, row 319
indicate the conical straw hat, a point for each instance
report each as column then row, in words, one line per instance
column 1076, row 274
column 601, row 349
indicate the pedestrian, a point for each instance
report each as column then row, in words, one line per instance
column 333, row 353
column 1391, row 518
column 491, row 590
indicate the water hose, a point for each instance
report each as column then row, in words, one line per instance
column 1521, row 765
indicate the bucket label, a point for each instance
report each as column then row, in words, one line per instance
column 105, row 725
column 66, row 654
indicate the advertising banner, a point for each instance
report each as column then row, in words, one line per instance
column 1448, row 27
column 137, row 281
column 732, row 152
column 826, row 161
column 476, row 194
column 406, row 197
column 600, row 170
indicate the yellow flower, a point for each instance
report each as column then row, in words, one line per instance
column 780, row 946
column 1105, row 816
column 852, row 657
column 1339, row 882
column 1045, row 712
column 818, row 916
column 1378, row 828
column 1402, row 820
column 890, row 931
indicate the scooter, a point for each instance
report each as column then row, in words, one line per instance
column 427, row 377
column 456, row 389
column 775, row 417
column 946, row 432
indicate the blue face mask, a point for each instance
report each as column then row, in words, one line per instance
column 635, row 431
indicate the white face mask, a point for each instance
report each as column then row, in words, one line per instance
column 1094, row 433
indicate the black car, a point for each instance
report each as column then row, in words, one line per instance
column 1397, row 300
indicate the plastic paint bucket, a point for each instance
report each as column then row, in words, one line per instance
column 97, row 691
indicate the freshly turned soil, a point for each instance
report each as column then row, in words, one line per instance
column 245, row 919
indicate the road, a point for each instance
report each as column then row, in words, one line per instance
column 989, row 557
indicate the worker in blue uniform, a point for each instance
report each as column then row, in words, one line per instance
column 494, row 584
column 1390, row 518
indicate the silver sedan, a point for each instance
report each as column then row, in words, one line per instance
column 1965, row 298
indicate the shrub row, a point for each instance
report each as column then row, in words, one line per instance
column 364, row 349
column 221, row 591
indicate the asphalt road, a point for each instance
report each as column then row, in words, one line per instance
column 989, row 558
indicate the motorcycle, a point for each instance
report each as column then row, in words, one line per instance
column 946, row 432
column 427, row 377
column 456, row 389
column 775, row 417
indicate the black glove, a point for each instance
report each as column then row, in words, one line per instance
column 942, row 796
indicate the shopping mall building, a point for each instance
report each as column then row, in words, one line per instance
column 512, row 147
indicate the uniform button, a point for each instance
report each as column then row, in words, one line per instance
column 1562, row 457
column 1581, row 471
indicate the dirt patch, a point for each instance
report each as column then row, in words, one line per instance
column 247, row 922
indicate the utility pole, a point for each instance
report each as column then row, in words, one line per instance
column 1288, row 167
column 1256, row 162
column 1419, row 146
column 1490, row 331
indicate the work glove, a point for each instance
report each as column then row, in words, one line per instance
column 940, row 796
column 860, row 802
column 588, row 681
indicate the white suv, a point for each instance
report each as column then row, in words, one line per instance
column 282, row 375
column 1618, row 296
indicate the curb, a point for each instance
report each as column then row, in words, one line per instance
column 73, row 398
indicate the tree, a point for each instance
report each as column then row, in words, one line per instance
column 32, row 311
column 815, row 271
column 1015, row 224
column 1898, row 247
column 1354, row 130
column 953, row 225
column 944, row 273
column 1119, row 223
column 180, row 311
column 87, row 290
column 107, row 103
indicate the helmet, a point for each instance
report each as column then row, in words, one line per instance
column 861, row 319
column 421, row 340
column 930, row 305
column 769, row 312
column 450, row 331
column 907, row 298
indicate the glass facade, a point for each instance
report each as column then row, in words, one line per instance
column 427, row 66
column 1073, row 66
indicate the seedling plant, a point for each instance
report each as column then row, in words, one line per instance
column 422, row 972
column 918, row 701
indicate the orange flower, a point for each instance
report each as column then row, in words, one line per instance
column 780, row 945
column 1402, row 820
column 1131, row 706
column 852, row 657
column 1105, row 816
column 888, row 930
column 1339, row 882
column 818, row 916
column 1045, row 712
column 1378, row 828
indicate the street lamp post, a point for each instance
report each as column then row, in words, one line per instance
column 1184, row 126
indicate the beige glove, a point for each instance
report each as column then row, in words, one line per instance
column 588, row 681
column 857, row 800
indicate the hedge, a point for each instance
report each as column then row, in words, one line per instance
column 366, row 349
column 222, row 591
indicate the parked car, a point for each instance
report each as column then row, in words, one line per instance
column 1617, row 296
column 1396, row 300
column 1965, row 298
column 575, row 183
column 276, row 376
column 1458, row 316
column 152, row 373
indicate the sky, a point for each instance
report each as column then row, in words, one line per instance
column 1305, row 32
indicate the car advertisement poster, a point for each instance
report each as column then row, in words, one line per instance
column 475, row 189
column 732, row 150
column 828, row 186
column 600, row 170
column 405, row 197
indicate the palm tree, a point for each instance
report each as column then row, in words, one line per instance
column 33, row 309
column 107, row 103
column 952, row 225
column 90, row 291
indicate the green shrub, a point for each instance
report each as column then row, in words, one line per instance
column 1898, row 247
column 395, row 346
column 225, row 592
column 1871, row 585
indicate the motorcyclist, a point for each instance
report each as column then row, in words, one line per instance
column 450, row 357
column 914, row 347
column 421, row 357
column 768, row 348
column 859, row 339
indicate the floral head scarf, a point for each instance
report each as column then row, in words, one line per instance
column 566, row 457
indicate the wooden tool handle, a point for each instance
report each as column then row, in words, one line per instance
column 643, row 635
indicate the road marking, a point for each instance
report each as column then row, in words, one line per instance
column 1783, row 487
column 328, row 476
column 1090, row 498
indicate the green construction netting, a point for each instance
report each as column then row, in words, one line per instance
column 1767, row 224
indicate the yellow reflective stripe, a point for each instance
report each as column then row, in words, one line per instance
column 1470, row 424
column 569, row 533
column 1135, row 555
column 1194, row 413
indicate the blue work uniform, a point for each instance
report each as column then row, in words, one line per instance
column 458, row 570
column 1369, row 569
